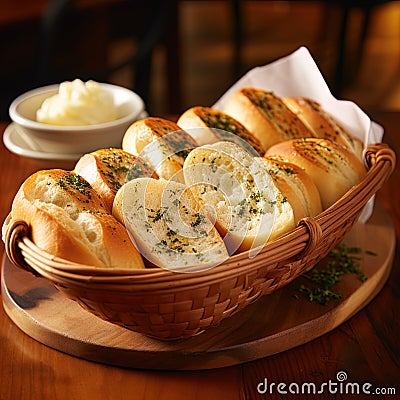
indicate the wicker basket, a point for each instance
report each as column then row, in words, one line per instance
column 169, row 305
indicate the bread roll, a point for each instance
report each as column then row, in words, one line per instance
column 168, row 226
column 68, row 219
column 240, row 195
column 108, row 169
column 333, row 168
column 220, row 123
column 161, row 143
column 266, row 116
column 295, row 184
column 322, row 124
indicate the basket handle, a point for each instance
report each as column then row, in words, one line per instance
column 314, row 236
column 15, row 231
column 379, row 152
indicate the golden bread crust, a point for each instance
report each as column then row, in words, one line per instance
column 333, row 168
column 108, row 169
column 322, row 124
column 68, row 219
column 266, row 116
column 220, row 122
column 297, row 186
column 160, row 143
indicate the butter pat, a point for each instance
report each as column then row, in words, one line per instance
column 78, row 103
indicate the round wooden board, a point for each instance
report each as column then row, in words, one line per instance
column 272, row 324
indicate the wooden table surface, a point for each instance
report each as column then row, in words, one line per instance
column 366, row 347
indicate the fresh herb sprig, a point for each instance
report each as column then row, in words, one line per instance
column 342, row 260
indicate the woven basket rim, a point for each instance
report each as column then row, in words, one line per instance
column 379, row 158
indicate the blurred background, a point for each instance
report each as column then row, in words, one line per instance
column 177, row 54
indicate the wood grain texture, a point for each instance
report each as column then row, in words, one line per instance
column 366, row 346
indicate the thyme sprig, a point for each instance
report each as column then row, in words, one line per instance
column 342, row 260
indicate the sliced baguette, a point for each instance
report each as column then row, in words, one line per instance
column 161, row 143
column 222, row 126
column 333, row 168
column 295, row 184
column 266, row 116
column 108, row 169
column 166, row 222
column 67, row 219
column 322, row 124
column 247, row 207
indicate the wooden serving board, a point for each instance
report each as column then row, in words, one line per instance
column 273, row 324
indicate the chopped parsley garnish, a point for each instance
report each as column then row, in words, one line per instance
column 76, row 182
column 199, row 219
column 341, row 260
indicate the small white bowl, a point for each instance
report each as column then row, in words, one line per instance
column 74, row 139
